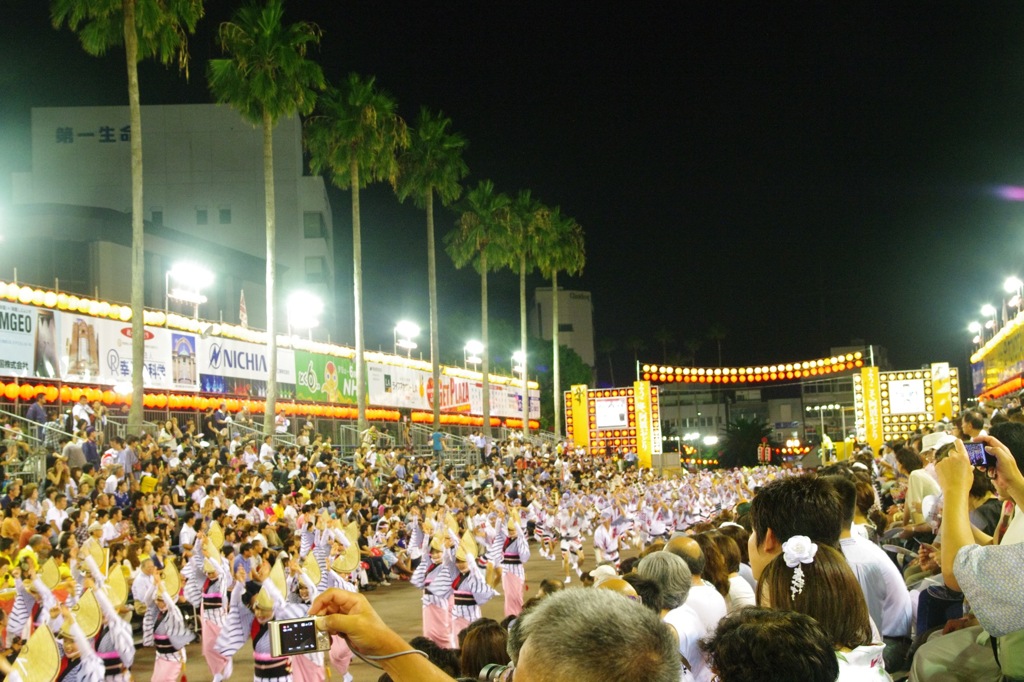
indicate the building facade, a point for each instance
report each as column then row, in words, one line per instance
column 575, row 320
column 204, row 202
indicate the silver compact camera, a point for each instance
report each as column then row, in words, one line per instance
column 297, row 636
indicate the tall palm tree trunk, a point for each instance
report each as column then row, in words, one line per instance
column 131, row 49
column 357, row 303
column 557, row 379
column 522, row 342
column 268, row 193
column 435, row 361
column 486, row 388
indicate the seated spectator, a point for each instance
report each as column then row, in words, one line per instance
column 485, row 642
column 791, row 645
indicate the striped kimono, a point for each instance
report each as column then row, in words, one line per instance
column 436, row 582
column 114, row 643
column 209, row 599
column 170, row 636
column 512, row 554
column 469, row 591
column 241, row 625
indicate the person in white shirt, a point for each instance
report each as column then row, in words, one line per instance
column 116, row 474
column 703, row 597
column 82, row 411
column 267, row 486
column 885, row 591
column 267, row 450
column 675, row 582
column 58, row 514
column 187, row 536
column 112, row 531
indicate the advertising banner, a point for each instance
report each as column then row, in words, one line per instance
column 184, row 372
column 28, row 336
column 324, row 378
column 872, row 408
column 233, row 359
column 581, row 424
column 99, row 350
column 642, row 403
column 393, row 386
column 942, row 398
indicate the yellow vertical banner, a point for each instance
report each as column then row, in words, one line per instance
column 942, row 403
column 642, row 414
column 872, row 408
column 580, row 418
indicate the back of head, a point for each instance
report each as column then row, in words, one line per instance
column 671, row 574
column 647, row 590
column 486, row 643
column 1011, row 434
column 799, row 505
column 754, row 640
column 590, row 635
column 689, row 550
column 847, row 490
column 827, row 581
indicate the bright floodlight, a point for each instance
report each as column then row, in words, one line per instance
column 988, row 310
column 192, row 275
column 474, row 347
column 974, row 327
column 1012, row 285
column 407, row 330
column 519, row 357
column 710, row 440
column 304, row 310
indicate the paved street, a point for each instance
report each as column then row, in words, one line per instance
column 398, row 605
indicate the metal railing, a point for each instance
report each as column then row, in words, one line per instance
column 32, row 465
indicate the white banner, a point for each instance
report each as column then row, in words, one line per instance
column 100, row 351
column 243, row 360
column 28, row 339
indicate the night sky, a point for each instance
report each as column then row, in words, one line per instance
column 799, row 175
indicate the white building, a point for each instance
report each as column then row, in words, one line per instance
column 575, row 320
column 203, row 197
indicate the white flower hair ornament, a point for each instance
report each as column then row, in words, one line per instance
column 796, row 551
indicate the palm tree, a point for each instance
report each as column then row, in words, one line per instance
column 607, row 345
column 267, row 76
column 528, row 222
column 560, row 248
column 692, row 346
column 481, row 237
column 741, row 438
column 146, row 28
column 637, row 345
column 717, row 333
column 432, row 163
column 664, row 337
column 356, row 135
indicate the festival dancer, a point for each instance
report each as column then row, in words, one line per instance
column 170, row 636
column 606, row 540
column 511, row 550
column 302, row 590
column 208, row 584
column 469, row 586
column 570, row 529
column 433, row 577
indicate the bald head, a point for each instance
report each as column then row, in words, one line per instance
column 687, row 549
column 617, row 585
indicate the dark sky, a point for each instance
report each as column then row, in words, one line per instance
column 802, row 175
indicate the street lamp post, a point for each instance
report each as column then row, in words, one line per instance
column 190, row 280
column 405, row 332
column 989, row 311
column 472, row 354
column 304, row 311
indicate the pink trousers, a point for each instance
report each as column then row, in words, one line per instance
column 166, row 671
column 458, row 625
column 512, row 586
column 306, row 670
column 437, row 625
column 217, row 662
column 340, row 655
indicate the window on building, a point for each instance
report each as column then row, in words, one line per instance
column 316, row 269
column 202, row 217
column 225, row 216
column 564, row 327
column 158, row 216
column 313, row 225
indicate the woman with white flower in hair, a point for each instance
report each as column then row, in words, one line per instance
column 817, row 581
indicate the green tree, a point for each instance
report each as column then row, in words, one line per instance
column 717, row 333
column 606, row 346
column 560, row 249
column 480, row 238
column 665, row 338
column 146, row 28
column 432, row 164
column 740, row 441
column 356, row 134
column 266, row 76
column 572, row 370
column 527, row 225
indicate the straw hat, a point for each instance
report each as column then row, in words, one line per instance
column 39, row 660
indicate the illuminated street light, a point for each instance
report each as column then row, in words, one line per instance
column 304, row 311
column 518, row 360
column 710, row 440
column 190, row 279
column 472, row 353
column 974, row 327
column 405, row 332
